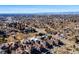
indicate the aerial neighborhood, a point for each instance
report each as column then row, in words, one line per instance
column 39, row 34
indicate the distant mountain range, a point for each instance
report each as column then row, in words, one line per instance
column 49, row 13
column 40, row 13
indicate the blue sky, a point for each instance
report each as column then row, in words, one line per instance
column 38, row 8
